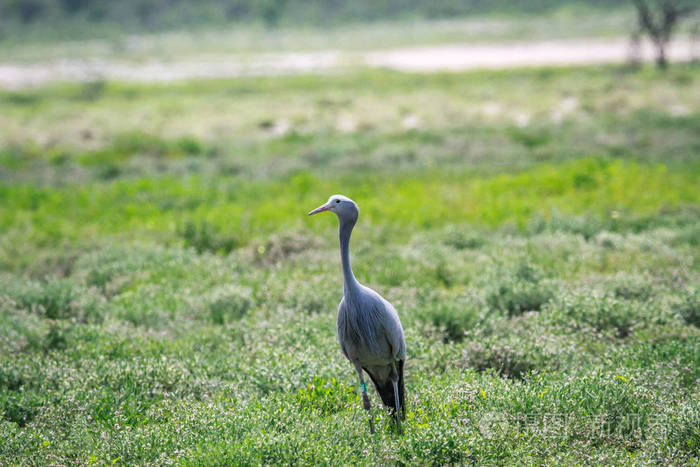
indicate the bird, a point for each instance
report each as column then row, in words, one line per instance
column 370, row 333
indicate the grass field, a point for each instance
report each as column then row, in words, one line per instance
column 164, row 298
column 41, row 43
column 75, row 28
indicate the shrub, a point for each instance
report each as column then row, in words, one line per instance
column 461, row 239
column 516, row 291
column 278, row 247
column 454, row 316
column 598, row 313
column 113, row 267
column 229, row 303
column 311, row 298
column 53, row 299
column 205, row 236
column 689, row 308
column 585, row 225
column 609, row 240
column 509, row 361
column 57, row 299
column 630, row 286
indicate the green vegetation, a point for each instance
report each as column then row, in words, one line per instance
column 39, row 31
column 40, row 45
column 169, row 14
column 163, row 296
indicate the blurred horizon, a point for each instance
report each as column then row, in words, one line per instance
column 528, row 191
column 166, row 41
column 66, row 16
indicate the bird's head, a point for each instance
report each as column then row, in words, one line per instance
column 343, row 207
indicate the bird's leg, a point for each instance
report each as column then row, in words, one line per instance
column 365, row 397
column 398, row 404
column 397, row 401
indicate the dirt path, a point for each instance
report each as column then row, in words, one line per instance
column 418, row 59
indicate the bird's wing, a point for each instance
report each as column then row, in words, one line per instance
column 369, row 329
column 393, row 330
column 341, row 324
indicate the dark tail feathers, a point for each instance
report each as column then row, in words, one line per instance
column 386, row 389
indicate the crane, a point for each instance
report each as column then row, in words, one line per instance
column 369, row 329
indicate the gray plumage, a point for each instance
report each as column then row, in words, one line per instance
column 369, row 329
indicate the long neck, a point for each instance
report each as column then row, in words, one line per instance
column 350, row 284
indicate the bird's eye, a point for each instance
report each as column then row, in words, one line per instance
column 337, row 201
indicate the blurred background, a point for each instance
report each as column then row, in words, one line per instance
column 527, row 175
column 176, row 39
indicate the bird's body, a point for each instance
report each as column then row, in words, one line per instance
column 369, row 329
column 370, row 334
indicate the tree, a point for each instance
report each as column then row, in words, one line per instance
column 657, row 19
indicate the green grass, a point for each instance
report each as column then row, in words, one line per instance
column 216, row 32
column 372, row 120
column 225, row 213
column 164, row 298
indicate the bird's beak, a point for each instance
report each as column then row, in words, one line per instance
column 323, row 207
